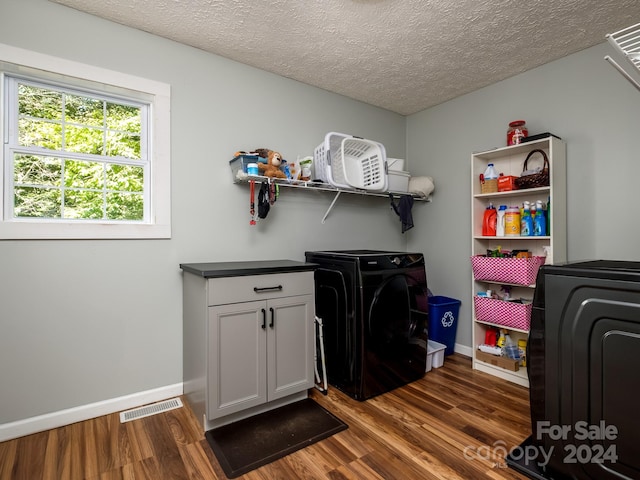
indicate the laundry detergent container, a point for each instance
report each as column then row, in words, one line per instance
column 443, row 321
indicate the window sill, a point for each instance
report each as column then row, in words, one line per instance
column 72, row 231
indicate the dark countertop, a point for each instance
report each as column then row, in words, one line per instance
column 237, row 269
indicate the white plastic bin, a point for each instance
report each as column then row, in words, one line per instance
column 345, row 161
column 395, row 164
column 435, row 355
column 398, row 181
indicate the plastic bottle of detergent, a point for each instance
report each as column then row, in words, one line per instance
column 500, row 221
column 533, row 211
column 489, row 222
column 526, row 222
column 501, row 338
column 539, row 221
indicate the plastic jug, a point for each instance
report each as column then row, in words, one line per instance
column 512, row 222
column 490, row 173
column 489, row 180
column 489, row 221
column 500, row 220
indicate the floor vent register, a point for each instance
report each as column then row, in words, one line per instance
column 149, row 410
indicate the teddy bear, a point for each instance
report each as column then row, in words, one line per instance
column 272, row 167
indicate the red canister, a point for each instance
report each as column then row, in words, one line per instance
column 516, row 132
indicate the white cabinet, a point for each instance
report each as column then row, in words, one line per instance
column 509, row 161
column 248, row 343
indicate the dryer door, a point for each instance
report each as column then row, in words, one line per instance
column 395, row 341
column 334, row 304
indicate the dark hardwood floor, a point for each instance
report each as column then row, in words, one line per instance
column 454, row 424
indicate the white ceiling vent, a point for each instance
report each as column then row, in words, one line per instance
column 149, row 410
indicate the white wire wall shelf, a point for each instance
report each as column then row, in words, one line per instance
column 627, row 43
column 326, row 187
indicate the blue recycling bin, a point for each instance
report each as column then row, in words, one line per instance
column 443, row 321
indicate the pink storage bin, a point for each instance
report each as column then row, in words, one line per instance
column 520, row 271
column 499, row 312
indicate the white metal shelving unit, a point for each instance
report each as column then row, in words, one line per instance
column 325, row 187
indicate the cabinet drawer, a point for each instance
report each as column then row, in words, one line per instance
column 258, row 287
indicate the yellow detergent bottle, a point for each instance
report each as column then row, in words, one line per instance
column 502, row 339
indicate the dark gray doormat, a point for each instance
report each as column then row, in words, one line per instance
column 253, row 442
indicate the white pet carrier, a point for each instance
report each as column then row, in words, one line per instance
column 346, row 161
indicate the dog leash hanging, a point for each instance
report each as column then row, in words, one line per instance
column 252, row 208
column 274, row 191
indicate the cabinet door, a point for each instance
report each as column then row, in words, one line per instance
column 237, row 371
column 290, row 347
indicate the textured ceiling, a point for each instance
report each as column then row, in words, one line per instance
column 401, row 55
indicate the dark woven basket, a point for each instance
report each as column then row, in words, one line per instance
column 534, row 180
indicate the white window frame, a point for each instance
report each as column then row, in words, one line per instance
column 19, row 62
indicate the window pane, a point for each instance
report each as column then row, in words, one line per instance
column 83, row 174
column 123, row 145
column 125, row 178
column 39, row 133
column 83, row 204
column 36, row 170
column 84, row 110
column 37, row 202
column 84, row 140
column 123, row 206
column 39, row 102
column 124, row 117
column 77, row 154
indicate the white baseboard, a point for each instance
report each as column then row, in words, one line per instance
column 463, row 350
column 20, row 428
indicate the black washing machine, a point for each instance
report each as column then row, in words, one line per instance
column 374, row 308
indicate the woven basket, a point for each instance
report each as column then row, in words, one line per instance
column 519, row 271
column 534, row 180
column 489, row 186
column 499, row 312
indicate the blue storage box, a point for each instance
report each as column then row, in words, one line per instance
column 239, row 165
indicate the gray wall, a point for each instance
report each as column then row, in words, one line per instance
column 580, row 98
column 87, row 321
